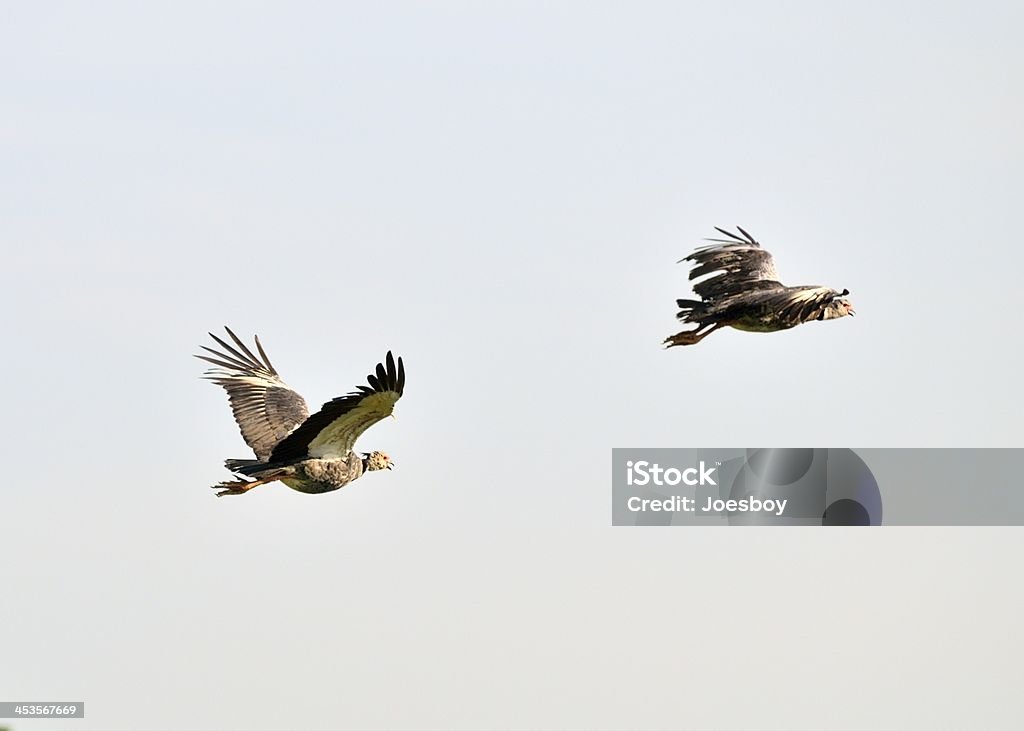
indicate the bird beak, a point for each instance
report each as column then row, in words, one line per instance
column 391, row 465
column 852, row 312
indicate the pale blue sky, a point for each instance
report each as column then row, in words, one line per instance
column 499, row 193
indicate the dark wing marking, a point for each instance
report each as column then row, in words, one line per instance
column 741, row 265
column 793, row 305
column 332, row 431
column 265, row 407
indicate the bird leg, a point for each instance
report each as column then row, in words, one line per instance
column 239, row 487
column 691, row 337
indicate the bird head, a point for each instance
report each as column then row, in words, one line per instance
column 839, row 307
column 378, row 461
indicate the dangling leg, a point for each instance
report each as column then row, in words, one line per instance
column 691, row 337
column 239, row 487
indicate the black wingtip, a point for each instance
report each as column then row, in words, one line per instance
column 392, row 376
column 388, row 376
column 734, row 239
column 750, row 238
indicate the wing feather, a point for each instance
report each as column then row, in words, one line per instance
column 265, row 407
column 333, row 431
column 736, row 265
column 789, row 304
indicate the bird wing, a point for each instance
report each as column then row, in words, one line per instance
column 741, row 262
column 265, row 407
column 790, row 304
column 332, row 431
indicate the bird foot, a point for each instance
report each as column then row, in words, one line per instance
column 234, row 488
column 683, row 338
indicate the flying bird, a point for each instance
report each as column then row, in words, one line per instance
column 311, row 454
column 744, row 292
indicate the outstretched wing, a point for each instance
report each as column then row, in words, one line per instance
column 332, row 431
column 741, row 262
column 265, row 407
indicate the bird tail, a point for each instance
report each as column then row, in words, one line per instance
column 691, row 310
column 245, row 466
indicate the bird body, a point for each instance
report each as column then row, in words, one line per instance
column 313, row 476
column 310, row 454
column 743, row 292
column 324, row 475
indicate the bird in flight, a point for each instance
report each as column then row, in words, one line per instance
column 311, row 454
column 744, row 292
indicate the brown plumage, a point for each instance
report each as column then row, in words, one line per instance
column 744, row 292
column 266, row 408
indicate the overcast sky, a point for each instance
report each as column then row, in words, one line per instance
column 499, row 192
